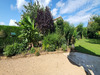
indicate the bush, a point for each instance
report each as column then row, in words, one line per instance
column 51, row 48
column 49, row 40
column 14, row 49
column 8, row 50
column 64, row 47
column 37, row 53
column 53, row 41
column 61, row 41
column 32, row 50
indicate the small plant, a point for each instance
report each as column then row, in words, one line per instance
column 51, row 48
column 32, row 50
column 8, row 50
column 64, row 47
column 37, row 53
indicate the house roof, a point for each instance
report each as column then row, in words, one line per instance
column 58, row 18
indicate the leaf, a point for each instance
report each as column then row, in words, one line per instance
column 33, row 25
column 29, row 19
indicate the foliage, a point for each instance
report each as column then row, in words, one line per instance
column 53, row 41
column 85, row 32
column 2, row 34
column 80, row 29
column 8, row 50
column 50, row 39
column 64, row 47
column 42, row 16
column 62, row 40
column 93, row 26
column 7, row 40
column 51, row 48
column 14, row 49
column 75, row 33
column 60, row 26
column 72, row 40
column 31, row 10
column 29, row 31
column 32, row 50
column 44, row 20
column 37, row 53
column 68, row 32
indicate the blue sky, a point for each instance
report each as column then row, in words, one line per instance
column 73, row 11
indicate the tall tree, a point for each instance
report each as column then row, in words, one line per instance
column 68, row 32
column 44, row 20
column 80, row 30
column 93, row 27
column 31, row 10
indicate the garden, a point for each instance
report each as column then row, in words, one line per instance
column 38, row 32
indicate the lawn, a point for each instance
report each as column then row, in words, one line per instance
column 89, row 46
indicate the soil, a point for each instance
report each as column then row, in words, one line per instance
column 47, row 64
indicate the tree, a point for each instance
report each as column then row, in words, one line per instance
column 44, row 21
column 31, row 10
column 42, row 16
column 60, row 26
column 68, row 32
column 93, row 26
column 80, row 30
column 29, row 31
column 85, row 32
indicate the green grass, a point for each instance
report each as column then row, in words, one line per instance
column 89, row 46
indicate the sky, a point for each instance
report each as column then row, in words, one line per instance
column 73, row 11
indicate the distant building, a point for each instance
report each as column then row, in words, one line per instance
column 57, row 18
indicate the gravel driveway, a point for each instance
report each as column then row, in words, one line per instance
column 49, row 64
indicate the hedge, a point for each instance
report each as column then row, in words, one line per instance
column 8, row 39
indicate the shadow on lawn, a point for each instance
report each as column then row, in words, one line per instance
column 94, row 41
column 84, row 50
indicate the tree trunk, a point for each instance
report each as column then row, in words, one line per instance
column 73, row 47
column 67, row 43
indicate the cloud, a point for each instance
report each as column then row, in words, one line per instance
column 80, row 16
column 44, row 2
column 54, row 11
column 71, row 6
column 12, row 23
column 60, row 4
column 77, row 19
column 2, row 23
column 78, row 11
column 20, row 4
column 12, row 7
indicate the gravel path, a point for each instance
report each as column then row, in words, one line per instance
column 49, row 64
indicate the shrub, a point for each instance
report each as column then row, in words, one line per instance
column 49, row 40
column 51, row 48
column 37, row 53
column 62, row 40
column 14, row 49
column 32, row 50
column 8, row 50
column 53, row 41
column 64, row 47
